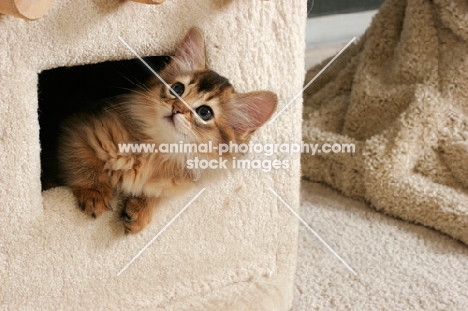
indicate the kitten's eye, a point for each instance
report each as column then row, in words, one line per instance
column 177, row 88
column 205, row 113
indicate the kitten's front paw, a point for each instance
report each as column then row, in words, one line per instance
column 136, row 215
column 94, row 202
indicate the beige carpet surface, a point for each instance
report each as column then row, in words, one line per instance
column 234, row 248
column 400, row 96
column 400, row 266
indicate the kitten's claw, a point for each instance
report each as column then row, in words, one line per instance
column 136, row 215
column 125, row 217
column 108, row 205
column 93, row 202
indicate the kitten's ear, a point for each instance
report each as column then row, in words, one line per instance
column 247, row 112
column 190, row 54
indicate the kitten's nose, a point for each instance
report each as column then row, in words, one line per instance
column 177, row 108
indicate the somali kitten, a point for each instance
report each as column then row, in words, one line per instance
column 92, row 165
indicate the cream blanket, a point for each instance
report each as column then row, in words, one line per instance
column 399, row 95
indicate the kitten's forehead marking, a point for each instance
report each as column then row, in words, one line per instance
column 208, row 81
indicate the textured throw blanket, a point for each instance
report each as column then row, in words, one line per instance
column 400, row 95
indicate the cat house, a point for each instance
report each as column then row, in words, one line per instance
column 233, row 247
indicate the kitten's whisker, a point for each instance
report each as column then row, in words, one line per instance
column 107, row 99
column 133, row 91
column 134, row 82
column 144, row 95
column 120, row 108
column 125, row 88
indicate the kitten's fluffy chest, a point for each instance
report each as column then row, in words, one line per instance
column 153, row 175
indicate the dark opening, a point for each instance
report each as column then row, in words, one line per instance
column 67, row 90
column 328, row 7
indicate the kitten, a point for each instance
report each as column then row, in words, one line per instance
column 89, row 158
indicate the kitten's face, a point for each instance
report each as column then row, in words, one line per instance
column 197, row 115
column 207, row 108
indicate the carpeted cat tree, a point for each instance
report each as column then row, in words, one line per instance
column 234, row 248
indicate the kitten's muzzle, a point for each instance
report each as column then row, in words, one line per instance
column 179, row 107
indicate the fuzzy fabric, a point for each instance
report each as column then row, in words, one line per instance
column 399, row 95
column 234, row 248
column 399, row 266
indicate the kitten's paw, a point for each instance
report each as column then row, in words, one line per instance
column 94, row 202
column 136, row 215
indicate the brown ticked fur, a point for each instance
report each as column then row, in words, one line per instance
column 90, row 161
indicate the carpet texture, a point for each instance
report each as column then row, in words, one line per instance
column 399, row 95
column 400, row 266
column 233, row 249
